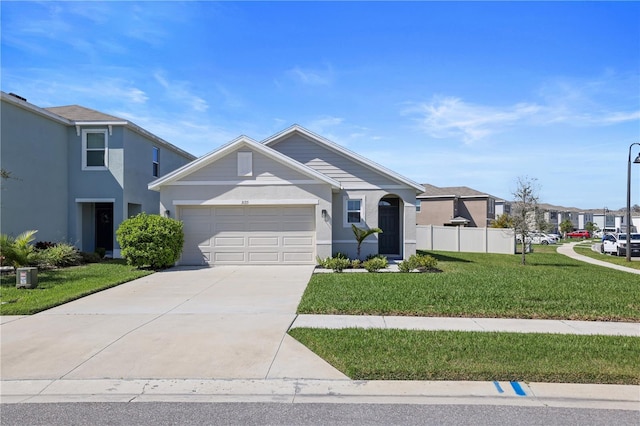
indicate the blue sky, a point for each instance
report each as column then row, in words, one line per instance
column 447, row 93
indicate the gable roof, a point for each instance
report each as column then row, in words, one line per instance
column 224, row 150
column 80, row 113
column 372, row 165
column 432, row 191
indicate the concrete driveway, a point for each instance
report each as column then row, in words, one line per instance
column 210, row 323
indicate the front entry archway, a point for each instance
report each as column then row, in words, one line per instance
column 389, row 222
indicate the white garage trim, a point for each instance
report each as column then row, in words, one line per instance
column 301, row 202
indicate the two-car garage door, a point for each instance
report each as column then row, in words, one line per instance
column 248, row 235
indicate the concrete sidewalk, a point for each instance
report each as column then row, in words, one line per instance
column 567, row 250
column 469, row 324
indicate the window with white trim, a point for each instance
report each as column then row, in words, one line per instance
column 156, row 161
column 418, row 206
column 245, row 163
column 354, row 211
column 95, row 150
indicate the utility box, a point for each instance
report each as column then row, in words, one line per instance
column 27, row 278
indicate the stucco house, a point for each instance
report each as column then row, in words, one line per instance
column 455, row 206
column 77, row 173
column 286, row 200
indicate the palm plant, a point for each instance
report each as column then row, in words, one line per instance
column 362, row 233
column 18, row 251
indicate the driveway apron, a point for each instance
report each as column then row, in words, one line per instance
column 222, row 322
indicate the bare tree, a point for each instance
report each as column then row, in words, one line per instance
column 525, row 205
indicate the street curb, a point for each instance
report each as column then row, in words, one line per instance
column 620, row 397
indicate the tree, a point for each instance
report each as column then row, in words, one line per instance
column 503, row 221
column 525, row 204
column 566, row 226
column 361, row 233
column 591, row 227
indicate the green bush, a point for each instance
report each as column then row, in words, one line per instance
column 19, row 251
column 356, row 264
column 418, row 261
column 61, row 254
column 90, row 257
column 338, row 264
column 375, row 264
column 150, row 240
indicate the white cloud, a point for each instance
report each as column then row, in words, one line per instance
column 312, row 77
column 179, row 91
column 445, row 117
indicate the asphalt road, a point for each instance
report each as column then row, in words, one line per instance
column 172, row 413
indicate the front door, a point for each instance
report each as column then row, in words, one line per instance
column 389, row 222
column 104, row 226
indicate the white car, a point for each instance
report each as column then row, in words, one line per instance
column 616, row 244
column 540, row 238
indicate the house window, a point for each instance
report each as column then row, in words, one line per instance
column 418, row 206
column 354, row 211
column 245, row 164
column 95, row 150
column 156, row 161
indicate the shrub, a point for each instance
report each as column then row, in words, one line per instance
column 101, row 252
column 43, row 245
column 150, row 240
column 356, row 264
column 337, row 264
column 19, row 251
column 61, row 255
column 89, row 257
column 421, row 262
column 340, row 255
column 375, row 264
column 322, row 262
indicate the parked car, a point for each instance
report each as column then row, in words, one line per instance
column 540, row 238
column 616, row 244
column 581, row 233
column 557, row 237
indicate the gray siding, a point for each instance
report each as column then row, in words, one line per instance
column 329, row 162
column 264, row 168
column 34, row 150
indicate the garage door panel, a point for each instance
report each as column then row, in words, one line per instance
column 264, row 257
column 229, row 241
column 229, row 257
column 249, row 234
column 263, row 241
column 297, row 241
column 265, row 226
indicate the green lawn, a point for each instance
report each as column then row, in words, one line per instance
column 59, row 286
column 551, row 285
column 445, row 355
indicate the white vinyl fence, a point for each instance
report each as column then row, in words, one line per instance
column 456, row 238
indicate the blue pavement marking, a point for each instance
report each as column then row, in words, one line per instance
column 518, row 389
column 498, row 387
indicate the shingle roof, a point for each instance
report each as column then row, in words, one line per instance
column 80, row 113
column 457, row 191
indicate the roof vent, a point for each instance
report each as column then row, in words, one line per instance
column 18, row 96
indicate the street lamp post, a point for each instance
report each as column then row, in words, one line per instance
column 636, row 161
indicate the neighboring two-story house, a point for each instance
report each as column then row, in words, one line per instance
column 455, row 206
column 77, row 173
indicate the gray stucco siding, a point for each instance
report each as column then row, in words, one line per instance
column 264, row 168
column 330, row 163
column 34, row 151
column 342, row 234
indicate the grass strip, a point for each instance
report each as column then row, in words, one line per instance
column 551, row 286
column 622, row 260
column 375, row 354
column 59, row 286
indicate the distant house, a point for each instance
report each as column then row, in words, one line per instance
column 455, row 206
column 77, row 173
column 286, row 200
